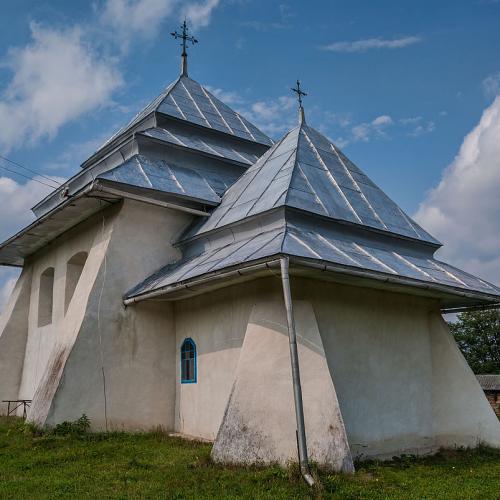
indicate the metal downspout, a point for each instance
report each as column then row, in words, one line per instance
column 297, row 390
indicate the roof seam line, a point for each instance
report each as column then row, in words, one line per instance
column 357, row 186
column 332, row 178
column 196, row 105
column 217, row 111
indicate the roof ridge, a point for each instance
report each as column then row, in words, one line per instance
column 294, row 168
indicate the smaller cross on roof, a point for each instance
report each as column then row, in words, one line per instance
column 185, row 37
column 299, row 93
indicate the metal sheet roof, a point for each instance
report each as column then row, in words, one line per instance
column 305, row 199
column 306, row 171
column 248, row 249
column 213, row 146
column 489, row 382
column 167, row 177
column 316, row 240
column 187, row 100
column 97, row 196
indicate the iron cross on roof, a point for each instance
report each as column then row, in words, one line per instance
column 185, row 37
column 300, row 93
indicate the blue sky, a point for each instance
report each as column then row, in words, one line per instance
column 398, row 85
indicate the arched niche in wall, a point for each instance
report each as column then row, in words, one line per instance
column 46, row 297
column 74, row 269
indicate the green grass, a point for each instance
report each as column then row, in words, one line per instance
column 154, row 465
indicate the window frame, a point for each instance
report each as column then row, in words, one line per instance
column 194, row 378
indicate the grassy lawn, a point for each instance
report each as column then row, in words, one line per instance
column 157, row 466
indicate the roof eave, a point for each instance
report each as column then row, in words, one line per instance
column 141, row 134
column 39, row 221
column 102, row 190
column 78, row 175
column 254, row 269
column 188, row 238
column 126, row 136
column 218, row 132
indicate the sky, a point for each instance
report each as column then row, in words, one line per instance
column 407, row 89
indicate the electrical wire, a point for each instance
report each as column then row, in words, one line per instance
column 17, row 164
column 27, row 177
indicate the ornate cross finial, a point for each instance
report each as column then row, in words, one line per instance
column 184, row 35
column 299, row 93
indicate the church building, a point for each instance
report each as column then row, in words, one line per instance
column 199, row 277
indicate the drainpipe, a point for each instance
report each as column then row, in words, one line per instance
column 297, row 390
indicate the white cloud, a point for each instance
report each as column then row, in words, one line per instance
column 491, row 85
column 463, row 211
column 274, row 116
column 62, row 74
column 411, row 120
column 376, row 128
column 371, row 44
column 130, row 18
column 56, row 78
column 229, row 97
column 17, row 200
column 382, row 121
column 418, row 125
column 199, row 14
column 265, row 26
column 422, row 129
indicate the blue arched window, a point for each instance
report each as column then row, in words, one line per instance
column 188, row 362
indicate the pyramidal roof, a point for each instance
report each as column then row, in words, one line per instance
column 305, row 170
column 308, row 173
column 187, row 100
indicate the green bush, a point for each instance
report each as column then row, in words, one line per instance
column 75, row 428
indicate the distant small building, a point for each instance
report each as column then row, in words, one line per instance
column 491, row 387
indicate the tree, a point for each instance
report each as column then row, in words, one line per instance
column 478, row 335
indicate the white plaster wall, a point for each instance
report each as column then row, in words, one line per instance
column 259, row 423
column 41, row 340
column 13, row 336
column 462, row 416
column 388, row 364
column 361, row 330
column 385, row 354
column 217, row 323
column 134, row 346
column 379, row 354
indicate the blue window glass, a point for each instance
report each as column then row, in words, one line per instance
column 188, row 362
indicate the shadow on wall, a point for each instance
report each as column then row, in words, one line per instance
column 8, row 278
